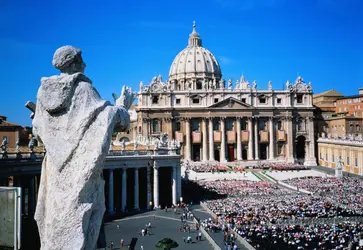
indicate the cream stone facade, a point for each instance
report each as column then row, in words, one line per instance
column 217, row 120
column 347, row 148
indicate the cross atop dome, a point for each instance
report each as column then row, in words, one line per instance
column 194, row 39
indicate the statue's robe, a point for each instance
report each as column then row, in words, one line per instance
column 75, row 126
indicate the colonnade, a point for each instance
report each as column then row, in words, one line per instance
column 252, row 144
column 152, row 189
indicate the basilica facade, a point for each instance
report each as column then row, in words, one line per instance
column 219, row 120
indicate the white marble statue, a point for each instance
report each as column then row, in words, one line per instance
column 229, row 83
column 269, row 85
column 18, row 145
column 4, row 145
column 75, row 125
column 141, row 85
column 31, row 144
column 254, row 85
column 123, row 145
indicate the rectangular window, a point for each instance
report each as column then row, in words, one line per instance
column 155, row 99
column 196, row 101
column 299, row 98
column 244, row 100
column 263, row 100
column 278, row 100
column 177, row 126
column 215, row 100
column 356, row 162
column 326, row 156
column 348, row 160
column 320, row 156
column 332, row 158
column 177, row 101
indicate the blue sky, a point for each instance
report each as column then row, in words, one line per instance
column 125, row 42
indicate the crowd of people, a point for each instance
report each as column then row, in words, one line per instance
column 347, row 191
column 208, row 167
column 242, row 187
column 271, row 217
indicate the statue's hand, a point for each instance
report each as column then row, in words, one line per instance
column 126, row 99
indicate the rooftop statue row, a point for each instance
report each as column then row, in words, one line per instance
column 158, row 86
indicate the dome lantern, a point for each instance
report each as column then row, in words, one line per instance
column 194, row 38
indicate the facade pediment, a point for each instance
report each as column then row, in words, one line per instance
column 230, row 103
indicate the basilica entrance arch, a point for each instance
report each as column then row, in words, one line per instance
column 300, row 148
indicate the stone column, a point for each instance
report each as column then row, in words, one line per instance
column 250, row 139
column 256, row 140
column 174, row 185
column 239, row 145
column 223, row 141
column 312, row 159
column 148, row 186
column 156, row 185
column 211, row 140
column 124, row 189
column 136, row 190
column 110, row 192
column 179, row 183
column 290, row 140
column 188, row 145
column 205, row 138
column 272, row 140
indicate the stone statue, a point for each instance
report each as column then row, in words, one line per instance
column 136, row 145
column 238, row 85
column 4, row 145
column 214, row 84
column 18, row 145
column 254, row 85
column 123, row 145
column 141, row 86
column 248, row 85
column 229, row 83
column 339, row 168
column 269, row 85
column 75, row 125
column 31, row 144
column 288, row 84
column 222, row 83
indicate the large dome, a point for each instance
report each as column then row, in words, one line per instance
column 194, row 61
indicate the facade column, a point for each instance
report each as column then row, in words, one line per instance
column 211, row 140
column 174, row 185
column 290, row 140
column 205, row 138
column 223, row 140
column 179, row 183
column 256, row 140
column 239, row 145
column 272, row 140
column 110, row 192
column 188, row 140
column 250, row 139
column 148, row 187
column 124, row 189
column 312, row 158
column 156, row 185
column 136, row 190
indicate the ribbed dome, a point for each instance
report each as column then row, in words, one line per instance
column 195, row 59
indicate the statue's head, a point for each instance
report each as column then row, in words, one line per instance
column 68, row 59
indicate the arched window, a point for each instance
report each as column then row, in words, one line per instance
column 357, row 128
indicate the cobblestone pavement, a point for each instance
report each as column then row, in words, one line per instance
column 165, row 225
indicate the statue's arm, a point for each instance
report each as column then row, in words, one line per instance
column 123, row 103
